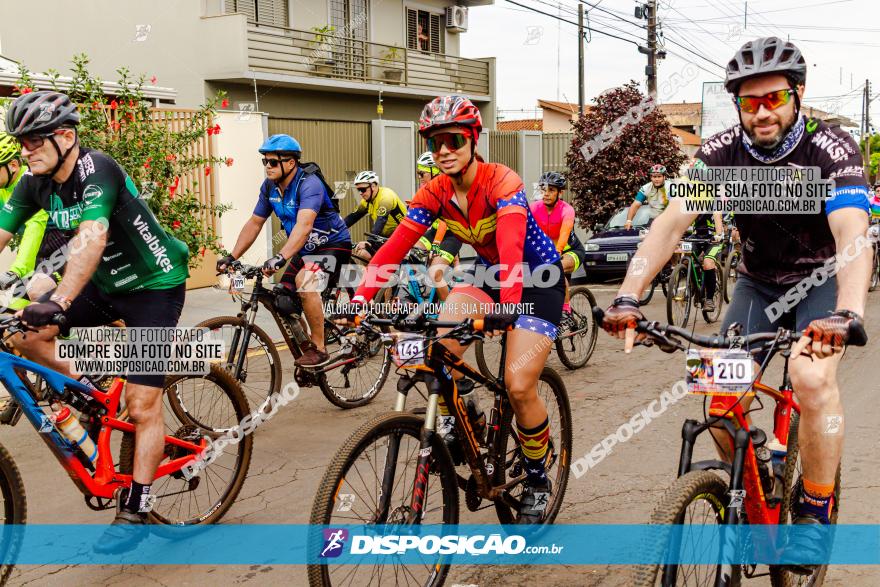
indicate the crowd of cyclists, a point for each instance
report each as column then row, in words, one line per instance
column 55, row 191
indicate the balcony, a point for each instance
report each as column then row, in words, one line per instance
column 361, row 66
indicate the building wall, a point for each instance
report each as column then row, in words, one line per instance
column 180, row 48
column 556, row 121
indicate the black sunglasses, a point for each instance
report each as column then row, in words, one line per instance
column 273, row 163
column 362, row 190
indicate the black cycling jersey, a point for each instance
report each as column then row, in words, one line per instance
column 785, row 248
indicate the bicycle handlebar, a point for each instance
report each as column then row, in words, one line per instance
column 669, row 334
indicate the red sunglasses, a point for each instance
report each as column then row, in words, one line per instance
column 35, row 141
column 453, row 141
column 771, row 101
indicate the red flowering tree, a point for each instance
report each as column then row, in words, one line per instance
column 154, row 156
column 613, row 147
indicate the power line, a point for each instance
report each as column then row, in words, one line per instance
column 703, row 57
column 571, row 23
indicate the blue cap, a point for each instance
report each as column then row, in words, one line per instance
column 281, row 144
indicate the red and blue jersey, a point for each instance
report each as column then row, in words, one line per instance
column 497, row 223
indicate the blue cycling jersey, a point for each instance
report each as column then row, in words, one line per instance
column 305, row 192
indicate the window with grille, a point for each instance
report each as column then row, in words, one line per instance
column 424, row 31
column 272, row 12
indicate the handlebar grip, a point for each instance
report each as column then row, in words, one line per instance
column 358, row 319
column 598, row 314
column 478, row 325
column 63, row 324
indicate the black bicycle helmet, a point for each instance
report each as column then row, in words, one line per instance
column 762, row 56
column 552, row 178
column 40, row 113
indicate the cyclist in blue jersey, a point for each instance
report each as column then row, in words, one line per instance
column 317, row 237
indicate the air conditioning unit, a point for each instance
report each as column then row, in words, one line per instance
column 456, row 19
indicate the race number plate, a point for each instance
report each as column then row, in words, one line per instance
column 237, row 283
column 719, row 372
column 409, row 351
column 685, row 246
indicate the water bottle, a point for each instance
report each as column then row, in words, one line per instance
column 763, row 456
column 471, row 401
column 73, row 431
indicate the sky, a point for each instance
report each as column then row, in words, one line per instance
column 537, row 55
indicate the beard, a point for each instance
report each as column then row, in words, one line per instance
column 770, row 143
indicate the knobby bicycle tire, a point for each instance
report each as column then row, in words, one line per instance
column 730, row 273
column 562, row 455
column 779, row 577
column 349, row 401
column 679, row 279
column 255, row 395
column 324, row 504
column 14, row 510
column 684, row 491
column 231, row 389
column 589, row 337
column 712, row 317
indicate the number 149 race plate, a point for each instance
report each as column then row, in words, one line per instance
column 719, row 372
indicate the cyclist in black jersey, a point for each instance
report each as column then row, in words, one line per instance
column 709, row 226
column 121, row 265
column 782, row 253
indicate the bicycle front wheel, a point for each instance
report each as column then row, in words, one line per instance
column 551, row 390
column 779, row 576
column 711, row 317
column 875, row 272
column 196, row 408
column 370, row 481
column 728, row 279
column 678, row 301
column 252, row 348
column 577, row 339
column 14, row 508
column 695, row 498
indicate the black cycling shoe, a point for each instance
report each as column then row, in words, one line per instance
column 811, row 541
column 533, row 503
column 126, row 531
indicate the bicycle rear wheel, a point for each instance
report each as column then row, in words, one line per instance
column 875, row 271
column 696, row 498
column 350, row 492
column 198, row 407
column 779, row 577
column 577, row 340
column 14, row 508
column 358, row 367
column 260, row 374
column 552, row 391
column 678, row 301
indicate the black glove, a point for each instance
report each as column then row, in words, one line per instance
column 623, row 313
column 499, row 321
column 41, row 314
column 275, row 263
column 841, row 328
column 8, row 280
column 223, row 263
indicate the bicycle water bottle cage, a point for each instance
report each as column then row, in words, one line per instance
column 286, row 301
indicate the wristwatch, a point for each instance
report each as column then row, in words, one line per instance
column 61, row 301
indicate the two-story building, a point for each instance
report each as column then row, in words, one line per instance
column 304, row 59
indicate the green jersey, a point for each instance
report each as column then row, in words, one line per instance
column 139, row 253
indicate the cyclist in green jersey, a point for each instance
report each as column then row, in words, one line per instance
column 121, row 265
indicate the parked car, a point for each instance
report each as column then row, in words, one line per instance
column 612, row 246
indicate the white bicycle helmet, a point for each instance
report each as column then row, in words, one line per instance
column 366, row 177
column 425, row 160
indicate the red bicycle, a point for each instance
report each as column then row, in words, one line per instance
column 762, row 483
column 214, row 405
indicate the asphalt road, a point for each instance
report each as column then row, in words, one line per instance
column 293, row 449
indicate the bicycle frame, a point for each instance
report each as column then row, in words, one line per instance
column 105, row 480
column 439, row 383
column 743, row 470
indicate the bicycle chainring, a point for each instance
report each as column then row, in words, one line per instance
column 471, row 495
column 187, row 433
column 303, row 377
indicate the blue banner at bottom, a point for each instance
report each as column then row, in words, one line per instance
column 461, row 544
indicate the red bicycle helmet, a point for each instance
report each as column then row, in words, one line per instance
column 446, row 111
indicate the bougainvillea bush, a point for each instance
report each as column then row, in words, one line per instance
column 156, row 157
column 609, row 178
